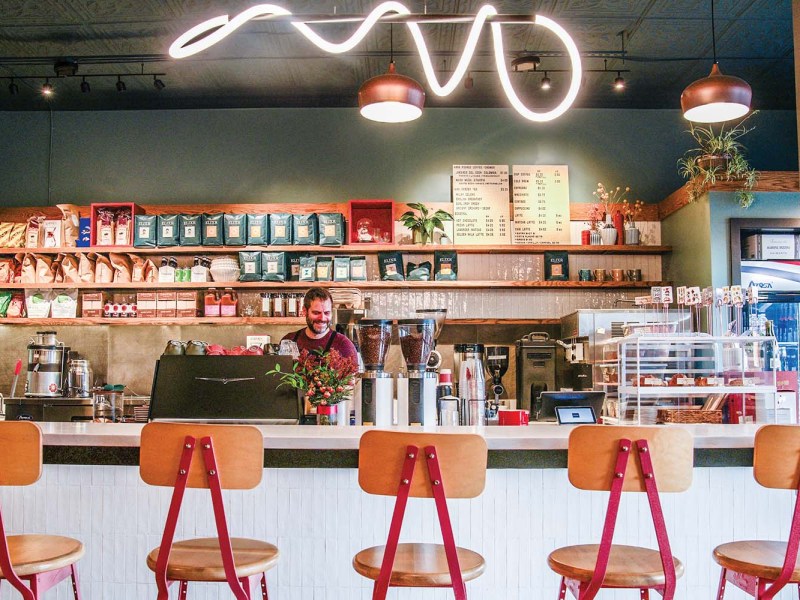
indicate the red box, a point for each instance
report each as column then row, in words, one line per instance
column 135, row 210
column 380, row 212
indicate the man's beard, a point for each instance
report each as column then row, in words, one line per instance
column 318, row 327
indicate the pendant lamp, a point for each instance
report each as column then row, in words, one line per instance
column 718, row 97
column 391, row 98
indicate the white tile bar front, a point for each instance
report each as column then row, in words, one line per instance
column 319, row 518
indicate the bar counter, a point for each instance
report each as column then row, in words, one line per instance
column 310, row 505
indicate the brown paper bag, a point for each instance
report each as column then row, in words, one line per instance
column 137, row 268
column 72, row 224
column 44, row 272
column 122, row 267
column 103, row 271
column 28, row 272
column 58, row 274
column 69, row 268
column 86, row 266
column 7, row 269
column 150, row 271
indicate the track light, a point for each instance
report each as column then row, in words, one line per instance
column 120, row 84
column 85, row 87
column 545, row 82
column 619, row 82
column 158, row 84
column 47, row 88
column 13, row 88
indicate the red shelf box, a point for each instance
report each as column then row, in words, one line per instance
column 379, row 212
column 135, row 209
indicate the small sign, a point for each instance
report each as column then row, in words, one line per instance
column 481, row 208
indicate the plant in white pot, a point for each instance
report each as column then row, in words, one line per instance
column 718, row 155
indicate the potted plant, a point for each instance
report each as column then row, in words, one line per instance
column 423, row 224
column 324, row 378
column 718, row 155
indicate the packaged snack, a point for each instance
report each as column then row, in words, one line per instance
column 331, row 229
column 71, row 223
column 257, row 230
column 212, row 229
column 235, row 230
column 145, row 233
column 37, row 303
column 305, row 229
column 104, row 222
column 280, row 229
column 250, row 266
column 5, row 300
column 16, row 238
column 308, row 268
column 64, row 305
column 33, row 232
column 51, row 233
column 85, row 235
column 5, row 234
column 341, row 268
column 324, row 268
column 169, row 233
column 445, row 265
column 390, row 265
column 418, row 272
column 16, row 308
column 191, row 229
column 273, row 266
column 358, row 268
column 123, row 218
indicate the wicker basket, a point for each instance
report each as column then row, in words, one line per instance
column 688, row 415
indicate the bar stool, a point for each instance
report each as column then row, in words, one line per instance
column 41, row 560
column 456, row 468
column 759, row 567
column 598, row 460
column 230, row 457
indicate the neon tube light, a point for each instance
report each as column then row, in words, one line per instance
column 210, row 32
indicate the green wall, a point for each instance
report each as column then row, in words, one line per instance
column 315, row 155
column 687, row 232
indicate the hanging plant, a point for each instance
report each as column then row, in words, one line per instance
column 718, row 155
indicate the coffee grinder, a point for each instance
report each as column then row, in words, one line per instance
column 47, row 361
column 496, row 366
column 438, row 315
column 375, row 407
column 416, row 388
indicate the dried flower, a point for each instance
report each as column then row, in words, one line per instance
column 632, row 211
column 607, row 198
column 325, row 377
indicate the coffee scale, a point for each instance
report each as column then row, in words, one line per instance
column 416, row 388
column 377, row 386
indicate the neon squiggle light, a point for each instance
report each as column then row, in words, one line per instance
column 206, row 34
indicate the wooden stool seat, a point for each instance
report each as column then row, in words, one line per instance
column 34, row 554
column 200, row 559
column 758, row 558
column 628, row 566
column 419, row 565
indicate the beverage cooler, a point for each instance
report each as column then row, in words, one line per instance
column 782, row 308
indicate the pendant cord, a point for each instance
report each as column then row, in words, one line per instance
column 713, row 33
column 391, row 42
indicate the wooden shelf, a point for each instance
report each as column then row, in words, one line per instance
column 356, row 249
column 289, row 321
column 362, row 285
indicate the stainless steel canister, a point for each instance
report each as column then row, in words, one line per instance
column 79, row 378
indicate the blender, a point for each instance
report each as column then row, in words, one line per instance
column 438, row 315
column 375, row 407
column 416, row 388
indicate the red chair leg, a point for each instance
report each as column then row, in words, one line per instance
column 184, row 590
column 644, row 594
column 264, row 593
column 247, row 586
column 562, row 592
column 76, row 590
column 723, row 578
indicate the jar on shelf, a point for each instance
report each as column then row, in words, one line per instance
column 279, row 304
column 266, row 304
column 293, row 305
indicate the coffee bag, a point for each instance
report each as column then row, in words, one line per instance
column 390, row 266
column 445, row 265
column 273, row 266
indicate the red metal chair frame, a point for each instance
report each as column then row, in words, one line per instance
column 381, row 586
column 588, row 590
column 241, row 588
column 757, row 586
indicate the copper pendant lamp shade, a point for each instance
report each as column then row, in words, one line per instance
column 716, row 98
column 391, row 98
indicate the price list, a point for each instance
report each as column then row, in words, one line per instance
column 541, row 204
column 481, row 211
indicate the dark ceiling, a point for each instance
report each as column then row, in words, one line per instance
column 668, row 44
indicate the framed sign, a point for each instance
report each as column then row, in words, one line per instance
column 541, row 204
column 481, row 209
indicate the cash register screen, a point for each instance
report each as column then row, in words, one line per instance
column 551, row 400
column 230, row 389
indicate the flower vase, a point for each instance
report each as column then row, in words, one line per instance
column 595, row 239
column 608, row 235
column 328, row 414
column 632, row 236
column 619, row 225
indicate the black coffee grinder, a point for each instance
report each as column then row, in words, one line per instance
column 496, row 366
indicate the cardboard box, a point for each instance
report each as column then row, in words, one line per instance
column 187, row 304
column 92, row 303
column 166, row 304
column 769, row 246
column 146, row 303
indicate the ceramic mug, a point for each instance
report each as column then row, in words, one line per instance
column 512, row 417
column 617, row 274
column 585, row 275
column 599, row 274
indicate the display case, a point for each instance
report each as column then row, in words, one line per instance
column 657, row 377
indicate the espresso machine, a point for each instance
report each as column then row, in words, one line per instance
column 47, row 362
column 438, row 315
column 416, row 388
column 375, row 405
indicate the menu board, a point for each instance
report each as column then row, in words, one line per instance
column 481, row 210
column 541, row 204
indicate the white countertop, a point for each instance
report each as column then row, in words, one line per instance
column 288, row 437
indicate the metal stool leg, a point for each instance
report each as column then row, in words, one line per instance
column 562, row 592
column 722, row 580
column 183, row 590
column 264, row 593
column 76, row 590
column 644, row 594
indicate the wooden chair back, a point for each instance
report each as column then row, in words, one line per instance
column 21, row 449
column 462, row 460
column 776, row 458
column 239, row 452
column 593, row 453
